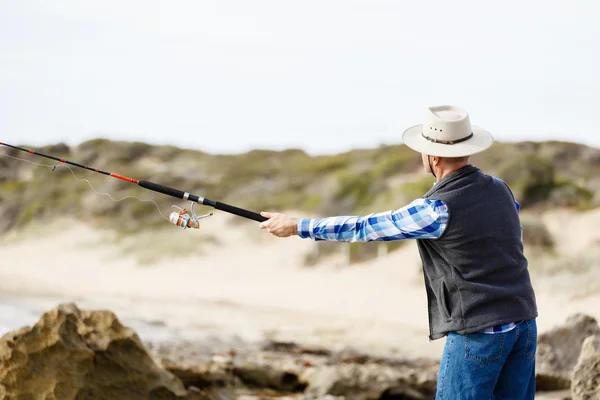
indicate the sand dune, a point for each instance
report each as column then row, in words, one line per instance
column 250, row 285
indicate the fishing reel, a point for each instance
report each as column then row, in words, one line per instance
column 187, row 219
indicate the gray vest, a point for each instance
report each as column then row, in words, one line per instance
column 476, row 274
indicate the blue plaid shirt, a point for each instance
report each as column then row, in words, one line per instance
column 421, row 219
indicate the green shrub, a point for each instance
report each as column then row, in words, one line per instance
column 128, row 152
column 30, row 212
column 312, row 202
column 276, row 202
column 394, row 165
column 60, row 150
column 392, row 160
column 568, row 194
column 166, row 152
column 325, row 164
column 416, row 189
column 531, row 178
column 356, row 192
column 248, row 168
column 496, row 156
column 12, row 187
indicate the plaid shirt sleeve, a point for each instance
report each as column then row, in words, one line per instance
column 421, row 219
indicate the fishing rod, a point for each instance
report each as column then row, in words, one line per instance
column 183, row 218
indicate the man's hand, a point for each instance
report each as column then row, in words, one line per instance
column 280, row 225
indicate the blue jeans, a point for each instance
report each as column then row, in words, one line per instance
column 489, row 366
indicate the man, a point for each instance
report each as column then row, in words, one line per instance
column 469, row 237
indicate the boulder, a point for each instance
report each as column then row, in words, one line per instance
column 280, row 373
column 371, row 382
column 585, row 384
column 558, row 351
column 75, row 354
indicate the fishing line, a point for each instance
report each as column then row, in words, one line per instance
column 183, row 219
column 53, row 168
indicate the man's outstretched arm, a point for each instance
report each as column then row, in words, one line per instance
column 421, row 219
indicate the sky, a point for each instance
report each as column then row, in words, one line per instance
column 325, row 76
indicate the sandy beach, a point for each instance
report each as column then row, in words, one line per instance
column 251, row 286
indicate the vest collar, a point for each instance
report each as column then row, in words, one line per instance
column 454, row 176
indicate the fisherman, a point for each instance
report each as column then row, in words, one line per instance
column 469, row 237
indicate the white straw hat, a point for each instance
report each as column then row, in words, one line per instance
column 447, row 132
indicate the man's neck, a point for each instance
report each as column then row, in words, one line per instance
column 448, row 170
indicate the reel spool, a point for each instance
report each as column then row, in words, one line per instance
column 187, row 219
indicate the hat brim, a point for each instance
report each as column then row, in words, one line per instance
column 480, row 141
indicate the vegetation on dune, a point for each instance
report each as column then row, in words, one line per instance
column 417, row 188
column 358, row 182
column 533, row 180
column 530, row 178
column 355, row 252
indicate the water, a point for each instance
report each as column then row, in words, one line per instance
column 152, row 322
column 17, row 312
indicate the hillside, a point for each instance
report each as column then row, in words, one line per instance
column 544, row 176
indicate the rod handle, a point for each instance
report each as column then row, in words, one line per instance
column 238, row 211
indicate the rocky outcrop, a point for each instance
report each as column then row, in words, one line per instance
column 78, row 354
column 558, row 351
column 371, row 381
column 75, row 354
column 586, row 375
column 310, row 372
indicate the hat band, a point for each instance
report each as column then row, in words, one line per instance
column 434, row 140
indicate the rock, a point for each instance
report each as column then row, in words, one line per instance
column 585, row 384
column 558, row 351
column 371, row 381
column 75, row 354
column 289, row 369
column 203, row 375
column 276, row 374
column 265, row 376
column 294, row 348
column 554, row 395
